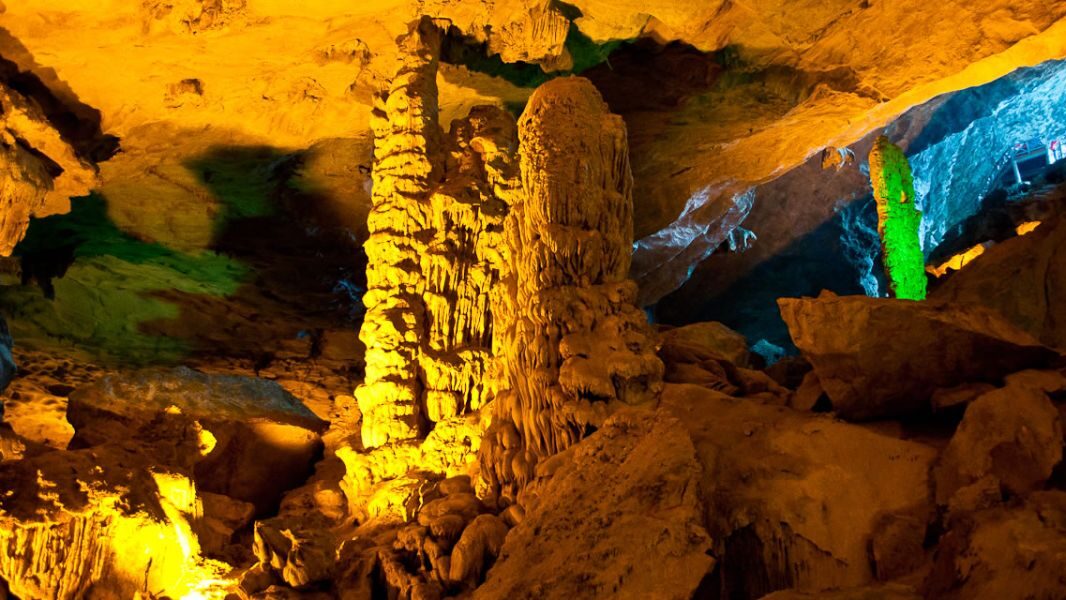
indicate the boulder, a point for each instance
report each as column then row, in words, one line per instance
column 107, row 522
column 880, row 357
column 711, row 336
column 1033, row 264
column 801, row 500
column 1014, row 551
column 264, row 441
column 616, row 516
column 1012, row 435
column 479, row 545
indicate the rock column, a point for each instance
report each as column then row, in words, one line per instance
column 897, row 220
column 575, row 345
column 407, row 166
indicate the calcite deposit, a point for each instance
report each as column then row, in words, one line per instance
column 575, row 346
column 523, row 299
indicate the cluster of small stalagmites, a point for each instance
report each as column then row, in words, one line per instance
column 39, row 170
column 575, row 345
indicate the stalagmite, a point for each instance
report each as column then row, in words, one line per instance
column 437, row 256
column 897, row 220
column 435, row 233
column 576, row 346
column 406, row 163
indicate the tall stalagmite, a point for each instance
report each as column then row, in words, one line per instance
column 407, row 163
column 574, row 345
column 437, row 255
column 897, row 220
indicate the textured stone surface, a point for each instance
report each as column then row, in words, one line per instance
column 575, row 346
column 859, row 346
column 795, row 500
column 1008, row 551
column 263, row 441
column 1012, row 436
column 30, row 150
column 113, row 519
column 1033, row 265
column 631, row 493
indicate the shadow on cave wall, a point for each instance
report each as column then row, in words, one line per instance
column 274, row 274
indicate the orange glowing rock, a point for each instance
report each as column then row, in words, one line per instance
column 28, row 144
column 958, row 261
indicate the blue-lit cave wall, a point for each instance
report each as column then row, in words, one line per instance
column 960, row 157
column 816, row 229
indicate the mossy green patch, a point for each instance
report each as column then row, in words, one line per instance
column 98, row 286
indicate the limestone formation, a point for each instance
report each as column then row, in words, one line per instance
column 1010, row 439
column 897, row 220
column 116, row 520
column 39, row 170
column 435, row 252
column 598, row 544
column 407, row 162
column 789, row 497
column 1008, row 551
column 859, row 346
column 1037, row 278
column 575, row 346
column 436, row 260
column 262, row 440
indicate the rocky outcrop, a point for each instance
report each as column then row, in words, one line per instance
column 632, row 492
column 1032, row 263
column 575, row 346
column 710, row 336
column 39, row 170
column 1014, row 551
column 859, row 346
column 261, row 441
column 1009, row 441
column 790, row 501
column 898, row 221
column 116, row 520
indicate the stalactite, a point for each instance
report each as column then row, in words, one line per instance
column 39, row 170
column 574, row 344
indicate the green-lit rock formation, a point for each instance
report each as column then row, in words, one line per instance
column 897, row 220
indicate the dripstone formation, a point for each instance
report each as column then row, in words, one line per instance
column 898, row 220
column 576, row 345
